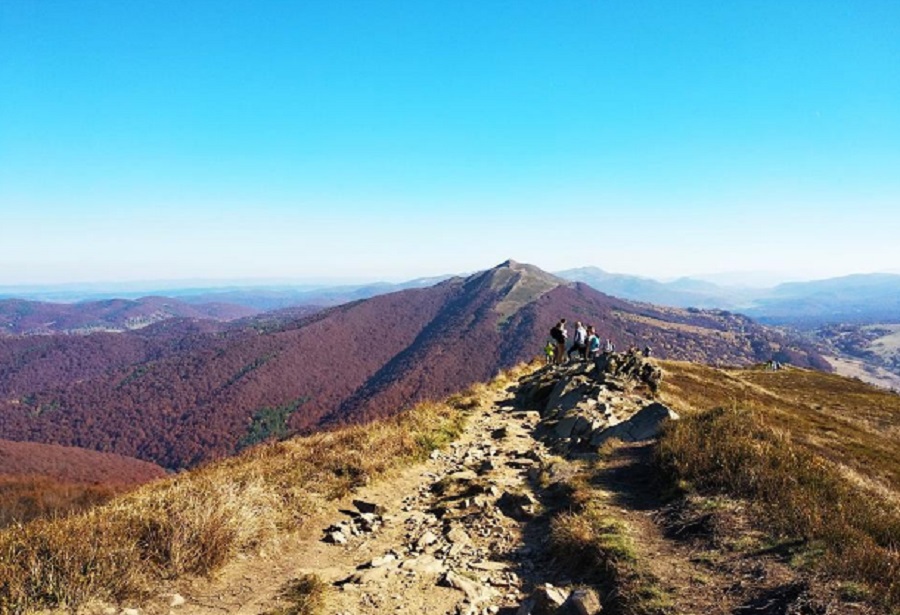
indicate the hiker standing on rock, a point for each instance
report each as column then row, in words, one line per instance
column 593, row 343
column 579, row 344
column 559, row 335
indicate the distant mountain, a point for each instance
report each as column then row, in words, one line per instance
column 858, row 299
column 18, row 316
column 178, row 400
column 683, row 292
column 277, row 298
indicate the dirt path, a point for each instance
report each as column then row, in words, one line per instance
column 466, row 532
column 453, row 534
column 703, row 553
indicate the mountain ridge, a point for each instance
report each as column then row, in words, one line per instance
column 178, row 401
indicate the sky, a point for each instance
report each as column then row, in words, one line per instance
column 364, row 140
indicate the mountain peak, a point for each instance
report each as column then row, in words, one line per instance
column 519, row 284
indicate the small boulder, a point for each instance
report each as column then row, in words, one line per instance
column 544, row 600
column 336, row 538
column 583, row 601
column 367, row 507
column 474, row 591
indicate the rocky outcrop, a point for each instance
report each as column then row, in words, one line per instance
column 584, row 404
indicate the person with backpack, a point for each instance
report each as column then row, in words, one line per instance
column 559, row 335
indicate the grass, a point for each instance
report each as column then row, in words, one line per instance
column 26, row 498
column 195, row 522
column 305, row 595
column 593, row 543
column 815, row 455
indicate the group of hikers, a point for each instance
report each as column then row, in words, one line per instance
column 585, row 343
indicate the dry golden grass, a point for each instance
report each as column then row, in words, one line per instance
column 589, row 540
column 306, row 595
column 786, row 442
column 199, row 520
column 26, row 498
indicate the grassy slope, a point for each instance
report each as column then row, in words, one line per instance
column 817, row 454
column 199, row 520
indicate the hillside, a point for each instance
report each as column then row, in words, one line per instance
column 20, row 317
column 45, row 480
column 73, row 465
column 549, row 488
column 179, row 401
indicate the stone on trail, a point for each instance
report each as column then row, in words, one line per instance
column 490, row 566
column 336, row 538
column 474, row 591
column 544, row 600
column 644, row 425
column 457, row 535
column 424, row 564
column 516, row 506
column 385, row 559
column 583, row 601
column 370, row 575
column 427, row 539
column 367, row 507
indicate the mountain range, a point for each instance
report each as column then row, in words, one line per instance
column 19, row 316
column 183, row 391
column 860, row 299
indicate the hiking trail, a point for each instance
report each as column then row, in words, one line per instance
column 467, row 532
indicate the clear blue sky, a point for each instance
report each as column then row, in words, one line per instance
column 228, row 139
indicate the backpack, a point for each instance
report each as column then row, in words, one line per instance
column 557, row 334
